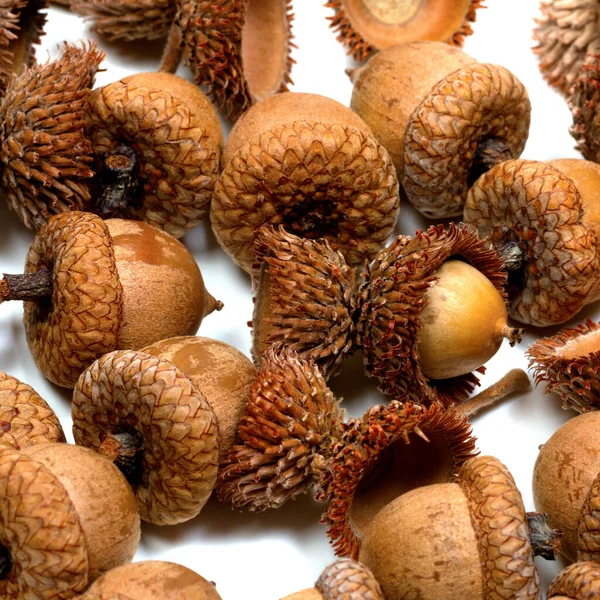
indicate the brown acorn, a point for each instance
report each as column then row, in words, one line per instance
column 443, row 117
column 93, row 286
column 310, row 164
column 345, row 579
column 543, row 219
column 365, row 26
column 565, row 32
column 151, row 580
column 25, row 417
column 579, row 581
column 469, row 539
column 566, row 485
column 67, row 515
column 157, row 143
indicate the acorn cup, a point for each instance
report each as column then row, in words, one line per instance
column 444, row 119
column 151, row 580
column 579, row 581
column 543, row 219
column 67, row 515
column 26, row 419
column 166, row 416
column 92, row 286
column 307, row 163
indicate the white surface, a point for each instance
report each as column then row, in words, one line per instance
column 266, row 556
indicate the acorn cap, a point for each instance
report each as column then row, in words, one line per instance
column 42, row 145
column 239, row 49
column 579, row 581
column 569, row 363
column 127, row 20
column 564, row 33
column 347, row 579
column 539, row 208
column 288, row 424
column 305, row 297
column 151, row 580
column 393, row 298
column 81, row 322
column 390, row 450
column 176, row 137
column 363, row 26
column 25, row 417
column 321, row 178
column 172, row 426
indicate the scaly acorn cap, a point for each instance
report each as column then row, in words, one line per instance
column 365, row 26
column 26, row 418
column 565, row 32
column 305, row 297
column 541, row 217
column 390, row 450
column 44, row 154
column 289, row 423
column 393, row 298
column 169, row 425
column 239, row 49
column 579, row 581
column 569, row 363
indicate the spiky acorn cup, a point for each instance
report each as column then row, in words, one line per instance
column 45, row 156
column 157, row 143
column 579, row 581
column 443, row 117
column 26, row 418
column 568, row 363
column 544, row 220
column 565, row 32
column 365, row 26
column 239, row 49
column 345, row 579
column 429, row 321
column 308, row 163
column 92, row 286
column 305, row 298
column 583, row 99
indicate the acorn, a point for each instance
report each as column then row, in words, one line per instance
column 579, row 581
column 566, row 485
column 26, row 419
column 151, row 580
column 365, row 26
column 92, row 286
column 307, row 163
column 543, row 219
column 444, row 118
column 67, row 516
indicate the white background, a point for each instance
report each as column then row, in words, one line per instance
column 268, row 555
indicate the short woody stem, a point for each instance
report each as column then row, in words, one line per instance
column 173, row 50
column 489, row 152
column 124, row 450
column 515, row 381
column 29, row 286
column 512, row 254
column 6, row 563
column 545, row 541
column 119, row 179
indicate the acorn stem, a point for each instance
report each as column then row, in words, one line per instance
column 124, row 450
column 27, row 286
column 6, row 563
column 514, row 381
column 119, row 178
column 545, row 541
column 489, row 152
column 512, row 334
column 173, row 50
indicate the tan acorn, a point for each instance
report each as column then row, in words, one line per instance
column 92, row 286
column 308, row 163
column 26, row 419
column 345, row 579
column 566, row 485
column 157, row 143
column 365, row 26
column 579, row 581
column 543, row 218
column 443, row 118
column 67, row 516
column 469, row 539
column 151, row 580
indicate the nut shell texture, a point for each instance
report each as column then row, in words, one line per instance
column 25, row 417
column 81, row 321
column 579, row 581
column 134, row 392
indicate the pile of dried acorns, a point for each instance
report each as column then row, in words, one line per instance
column 304, row 196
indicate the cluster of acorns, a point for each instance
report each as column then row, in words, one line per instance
column 304, row 196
